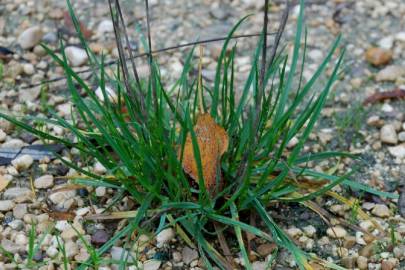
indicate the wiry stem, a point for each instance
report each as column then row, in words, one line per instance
column 132, row 59
column 175, row 47
column 150, row 57
column 242, row 171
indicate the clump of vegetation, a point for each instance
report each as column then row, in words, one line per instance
column 153, row 141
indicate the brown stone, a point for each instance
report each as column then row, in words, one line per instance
column 266, row 249
column 349, row 262
column 367, row 251
column 349, row 242
column 387, row 265
column 378, row 56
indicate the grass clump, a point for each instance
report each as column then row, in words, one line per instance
column 139, row 137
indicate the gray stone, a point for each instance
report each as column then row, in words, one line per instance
column 50, row 38
column 16, row 224
column 52, row 252
column 400, row 36
column 397, row 151
column 71, row 249
column 13, row 143
column 259, row 265
column 10, row 246
column 220, row 12
column 117, row 253
column 390, row 73
column 151, row 265
column 17, row 194
column 6, row 205
column 177, row 256
column 399, row 251
column 388, row 134
column 386, row 42
column 401, row 136
column 101, row 191
column 45, row 181
column 189, row 255
column 21, row 239
column 20, row 210
column 381, row 210
column 29, row 95
column 59, row 197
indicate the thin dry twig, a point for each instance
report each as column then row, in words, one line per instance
column 242, row 171
column 116, row 18
column 382, row 96
column 224, row 246
column 171, row 48
column 264, row 54
column 150, row 57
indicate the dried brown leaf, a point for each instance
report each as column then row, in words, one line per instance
column 212, row 141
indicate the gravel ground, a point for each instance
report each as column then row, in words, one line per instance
column 374, row 35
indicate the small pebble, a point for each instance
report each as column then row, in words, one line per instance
column 20, row 210
column 388, row 134
column 101, row 191
column 22, row 162
column 3, row 136
column 309, row 230
column 378, row 56
column 99, row 168
column 105, row 26
column 397, row 151
column 164, row 237
column 387, row 265
column 362, row 262
column 336, row 232
column 381, row 210
column 189, row 255
column 100, row 237
column 390, row 74
column 152, row 265
column 76, row 56
column 6, row 205
column 45, row 181
column 30, row 37
column 71, row 249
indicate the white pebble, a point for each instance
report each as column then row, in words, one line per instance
column 30, row 37
column 22, row 162
column 76, row 56
column 388, row 134
column 165, row 236
column 336, row 232
column 111, row 94
column 101, row 191
column 99, row 168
